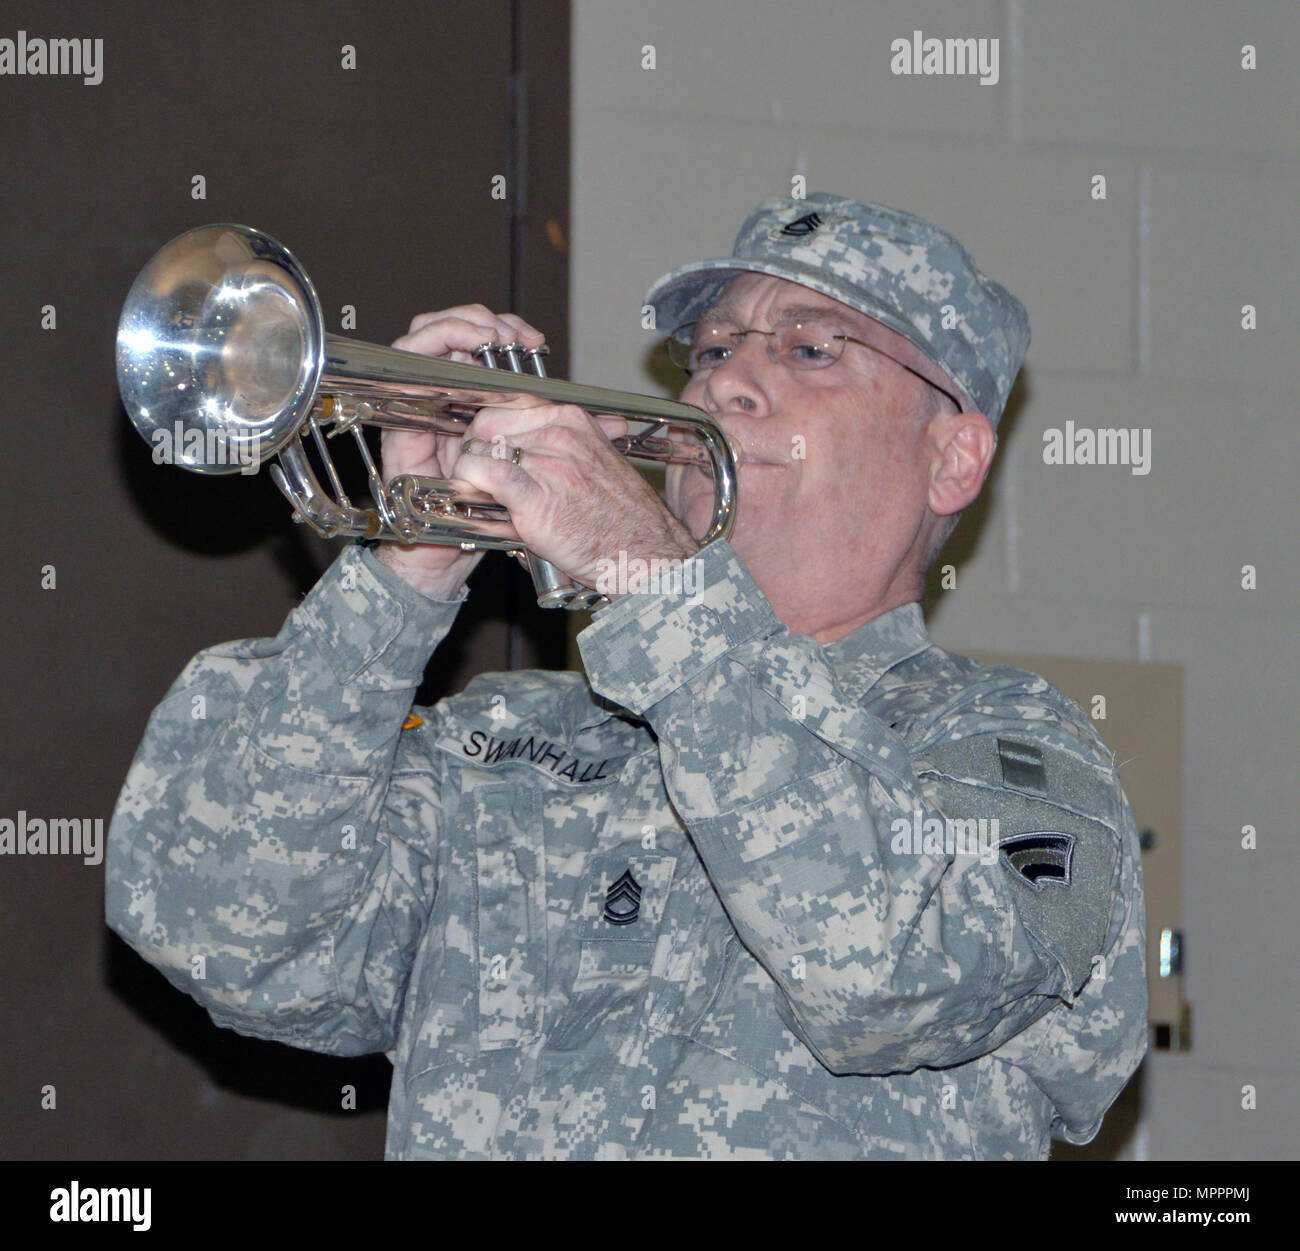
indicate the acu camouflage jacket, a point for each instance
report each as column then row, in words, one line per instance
column 741, row 906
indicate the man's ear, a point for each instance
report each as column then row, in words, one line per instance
column 963, row 450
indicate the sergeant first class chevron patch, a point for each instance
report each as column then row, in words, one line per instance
column 623, row 900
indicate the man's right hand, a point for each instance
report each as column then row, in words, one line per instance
column 451, row 334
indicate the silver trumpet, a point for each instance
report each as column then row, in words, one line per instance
column 223, row 362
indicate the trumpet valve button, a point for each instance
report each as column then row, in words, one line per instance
column 534, row 358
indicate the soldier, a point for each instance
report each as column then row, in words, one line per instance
column 777, row 877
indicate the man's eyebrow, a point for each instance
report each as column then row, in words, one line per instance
column 794, row 312
column 719, row 312
column 811, row 312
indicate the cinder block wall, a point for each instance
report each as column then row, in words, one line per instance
column 1136, row 304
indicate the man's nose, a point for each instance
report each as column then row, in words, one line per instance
column 737, row 385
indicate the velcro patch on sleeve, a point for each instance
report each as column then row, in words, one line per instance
column 1059, row 864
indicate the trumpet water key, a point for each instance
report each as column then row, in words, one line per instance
column 222, row 353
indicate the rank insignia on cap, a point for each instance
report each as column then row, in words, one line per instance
column 627, row 892
column 1040, row 858
column 804, row 225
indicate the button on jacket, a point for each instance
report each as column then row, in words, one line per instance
column 734, row 894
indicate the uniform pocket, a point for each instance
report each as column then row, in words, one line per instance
column 619, row 919
column 509, row 915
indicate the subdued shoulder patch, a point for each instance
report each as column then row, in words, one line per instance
column 1055, row 835
column 1042, row 859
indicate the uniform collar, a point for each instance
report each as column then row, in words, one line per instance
column 585, row 710
column 859, row 659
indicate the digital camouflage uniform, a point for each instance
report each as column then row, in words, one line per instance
column 684, row 922
column 715, row 908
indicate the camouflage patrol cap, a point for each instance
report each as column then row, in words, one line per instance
column 893, row 266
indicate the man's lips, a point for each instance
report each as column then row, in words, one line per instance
column 745, row 457
column 743, row 460
column 755, row 455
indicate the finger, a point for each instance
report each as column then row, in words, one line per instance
column 411, row 438
column 451, row 447
column 525, row 414
column 446, row 333
column 507, row 483
column 517, row 328
column 418, row 452
column 499, row 448
column 467, row 312
column 611, row 427
column 496, row 328
column 507, row 423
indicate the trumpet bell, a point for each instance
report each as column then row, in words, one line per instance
column 220, row 348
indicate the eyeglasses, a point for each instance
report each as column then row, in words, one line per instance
column 699, row 347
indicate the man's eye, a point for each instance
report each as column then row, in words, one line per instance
column 711, row 355
column 809, row 350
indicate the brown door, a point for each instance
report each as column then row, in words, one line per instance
column 370, row 139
